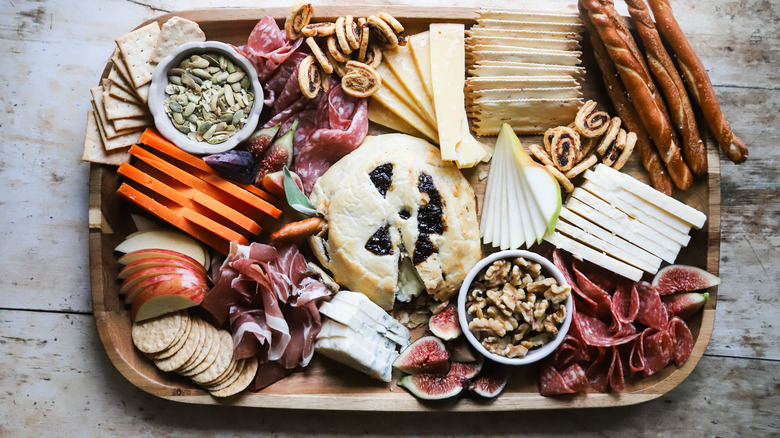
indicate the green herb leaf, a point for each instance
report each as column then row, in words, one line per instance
column 295, row 197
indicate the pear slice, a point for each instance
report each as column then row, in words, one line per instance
column 543, row 186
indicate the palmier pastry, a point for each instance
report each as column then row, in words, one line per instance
column 299, row 16
column 590, row 122
column 360, row 80
column 319, row 29
column 396, row 212
column 309, row 77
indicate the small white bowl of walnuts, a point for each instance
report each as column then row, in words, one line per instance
column 515, row 307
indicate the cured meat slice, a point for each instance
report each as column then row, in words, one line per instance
column 584, row 303
column 593, row 291
column 658, row 348
column 636, row 357
column 682, row 340
column 598, row 370
column 615, row 375
column 596, row 333
column 250, row 332
column 282, row 88
column 268, row 47
column 571, row 351
column 625, row 303
column 569, row 381
column 652, row 312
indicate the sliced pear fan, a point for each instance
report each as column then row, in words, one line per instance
column 522, row 200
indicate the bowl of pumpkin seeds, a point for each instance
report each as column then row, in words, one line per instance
column 205, row 97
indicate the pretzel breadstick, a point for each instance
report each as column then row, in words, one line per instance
column 630, row 69
column 651, row 161
column 664, row 71
column 698, row 82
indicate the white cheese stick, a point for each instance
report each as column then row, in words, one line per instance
column 581, row 251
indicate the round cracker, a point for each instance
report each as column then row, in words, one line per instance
column 186, row 351
column 221, row 363
column 240, row 364
column 170, row 351
column 209, row 334
column 224, row 376
column 242, row 382
column 157, row 334
column 211, row 356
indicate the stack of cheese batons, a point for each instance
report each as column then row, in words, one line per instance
column 619, row 223
column 525, row 71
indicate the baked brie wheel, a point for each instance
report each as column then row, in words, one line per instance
column 400, row 221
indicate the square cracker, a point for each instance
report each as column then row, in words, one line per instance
column 137, row 49
column 175, row 32
column 94, row 151
column 118, row 109
column 132, row 123
column 116, row 78
column 141, row 92
column 99, row 106
column 122, row 94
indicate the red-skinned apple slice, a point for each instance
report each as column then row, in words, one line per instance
column 163, row 282
column 162, row 298
column 156, row 270
column 163, row 239
column 151, row 262
column 156, row 253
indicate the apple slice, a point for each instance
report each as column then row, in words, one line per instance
column 158, row 270
column 156, row 259
column 164, row 297
column 543, row 186
column 163, row 239
column 174, row 281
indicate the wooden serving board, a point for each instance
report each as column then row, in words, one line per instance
column 325, row 384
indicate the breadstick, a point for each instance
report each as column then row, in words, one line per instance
column 651, row 161
column 698, row 82
column 664, row 71
column 630, row 69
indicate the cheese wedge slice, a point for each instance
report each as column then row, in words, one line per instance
column 402, row 64
column 354, row 352
column 372, row 310
column 392, row 102
column 380, row 115
column 581, row 251
column 335, row 329
column 421, row 52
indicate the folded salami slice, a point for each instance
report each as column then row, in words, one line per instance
column 593, row 291
column 652, row 312
column 682, row 340
column 584, row 303
column 569, row 381
column 596, row 333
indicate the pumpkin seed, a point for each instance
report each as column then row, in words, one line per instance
column 227, row 117
column 178, row 117
column 235, row 76
column 203, row 74
column 230, row 67
column 198, row 62
column 210, row 132
column 237, row 117
column 218, row 139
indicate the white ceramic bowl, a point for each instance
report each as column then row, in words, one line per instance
column 535, row 354
column 157, row 97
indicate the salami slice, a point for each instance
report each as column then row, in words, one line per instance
column 658, row 348
column 636, row 358
column 615, row 375
column 268, row 47
column 652, row 312
column 569, row 381
column 682, row 340
column 593, row 291
column 625, row 303
column 571, row 351
column 584, row 303
column 596, row 333
column 598, row 370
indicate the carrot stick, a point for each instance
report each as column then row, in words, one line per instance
column 154, row 140
column 194, row 200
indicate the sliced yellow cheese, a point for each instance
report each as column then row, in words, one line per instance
column 394, row 103
column 581, row 251
column 448, row 76
column 421, row 53
column 391, row 82
column 401, row 62
column 379, row 114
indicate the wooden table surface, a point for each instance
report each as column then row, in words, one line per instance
column 57, row 381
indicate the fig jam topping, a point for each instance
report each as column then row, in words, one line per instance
column 380, row 243
column 381, row 177
column 429, row 219
column 405, row 214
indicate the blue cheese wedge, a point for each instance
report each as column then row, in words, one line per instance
column 358, row 353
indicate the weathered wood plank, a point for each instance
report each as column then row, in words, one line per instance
column 46, row 356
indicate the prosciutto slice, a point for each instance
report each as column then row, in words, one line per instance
column 268, row 47
column 270, row 297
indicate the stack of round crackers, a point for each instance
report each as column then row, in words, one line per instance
column 192, row 347
column 525, row 70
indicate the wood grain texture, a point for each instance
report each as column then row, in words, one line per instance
column 55, row 373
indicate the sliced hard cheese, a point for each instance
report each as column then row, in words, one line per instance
column 448, row 74
column 621, row 230
column 581, row 251
column 673, row 222
column 622, row 219
column 402, row 64
column 379, row 114
column 608, row 195
column 667, row 203
column 421, row 52
column 607, row 236
column 392, row 102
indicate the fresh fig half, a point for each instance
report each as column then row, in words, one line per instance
column 683, row 278
column 461, row 351
column 491, row 381
column 429, row 386
column 464, row 371
column 445, row 324
column 684, row 304
column 425, row 355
